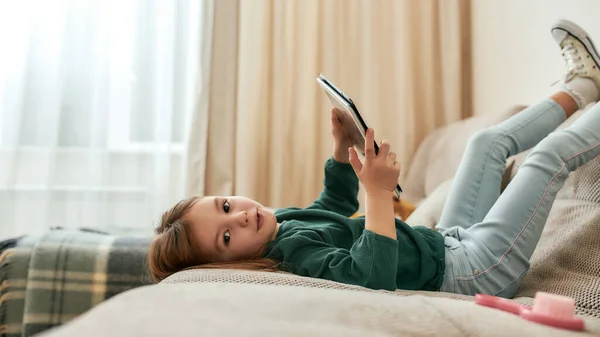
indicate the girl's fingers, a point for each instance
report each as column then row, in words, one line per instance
column 391, row 157
column 370, row 145
column 384, row 148
column 354, row 161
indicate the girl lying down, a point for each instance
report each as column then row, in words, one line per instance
column 485, row 239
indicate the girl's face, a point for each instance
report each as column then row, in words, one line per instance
column 231, row 228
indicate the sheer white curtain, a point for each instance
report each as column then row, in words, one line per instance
column 95, row 102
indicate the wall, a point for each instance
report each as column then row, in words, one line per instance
column 515, row 59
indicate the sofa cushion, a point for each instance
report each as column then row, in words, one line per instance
column 289, row 279
column 221, row 309
column 430, row 209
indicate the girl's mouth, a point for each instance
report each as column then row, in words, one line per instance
column 259, row 220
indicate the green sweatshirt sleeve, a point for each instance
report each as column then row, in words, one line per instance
column 340, row 189
column 371, row 262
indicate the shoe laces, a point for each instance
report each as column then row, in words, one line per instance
column 573, row 62
column 573, row 59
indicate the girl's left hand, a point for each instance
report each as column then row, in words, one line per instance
column 341, row 141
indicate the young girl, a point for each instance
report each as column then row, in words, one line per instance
column 485, row 239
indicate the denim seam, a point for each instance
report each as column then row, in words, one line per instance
column 497, row 264
column 511, row 282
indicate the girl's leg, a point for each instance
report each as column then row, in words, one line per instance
column 492, row 256
column 498, row 249
column 476, row 185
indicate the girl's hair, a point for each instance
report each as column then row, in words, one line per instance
column 174, row 249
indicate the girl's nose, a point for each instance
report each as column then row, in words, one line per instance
column 243, row 218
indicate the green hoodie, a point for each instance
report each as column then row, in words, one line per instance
column 321, row 241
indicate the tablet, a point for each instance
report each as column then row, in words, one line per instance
column 352, row 121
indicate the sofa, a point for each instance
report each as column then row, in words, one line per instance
column 245, row 303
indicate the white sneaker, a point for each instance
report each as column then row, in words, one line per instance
column 582, row 81
column 578, row 50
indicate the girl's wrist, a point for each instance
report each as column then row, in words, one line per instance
column 340, row 154
column 379, row 192
column 379, row 213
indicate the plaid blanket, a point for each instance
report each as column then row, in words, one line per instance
column 45, row 281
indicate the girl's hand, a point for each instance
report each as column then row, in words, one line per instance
column 341, row 141
column 380, row 172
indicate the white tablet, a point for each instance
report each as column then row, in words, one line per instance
column 351, row 119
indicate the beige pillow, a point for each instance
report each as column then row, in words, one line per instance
column 429, row 210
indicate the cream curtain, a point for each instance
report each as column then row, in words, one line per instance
column 405, row 63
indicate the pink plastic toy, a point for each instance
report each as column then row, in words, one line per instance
column 554, row 310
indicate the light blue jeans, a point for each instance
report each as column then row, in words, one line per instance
column 490, row 237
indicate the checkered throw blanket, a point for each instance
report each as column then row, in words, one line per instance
column 47, row 280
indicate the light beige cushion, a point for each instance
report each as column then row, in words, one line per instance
column 288, row 279
column 217, row 309
column 429, row 210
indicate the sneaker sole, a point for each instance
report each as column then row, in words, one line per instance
column 580, row 34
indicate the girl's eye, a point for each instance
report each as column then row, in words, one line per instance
column 226, row 206
column 226, row 238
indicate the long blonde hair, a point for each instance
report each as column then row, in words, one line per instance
column 173, row 249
